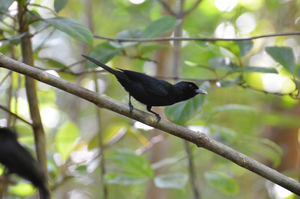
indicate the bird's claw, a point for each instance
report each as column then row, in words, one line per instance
column 130, row 108
column 158, row 118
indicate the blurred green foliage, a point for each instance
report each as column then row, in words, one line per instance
column 237, row 112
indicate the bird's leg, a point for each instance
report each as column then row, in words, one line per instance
column 130, row 105
column 156, row 114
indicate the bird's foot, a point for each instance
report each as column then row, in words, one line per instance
column 130, row 108
column 158, row 117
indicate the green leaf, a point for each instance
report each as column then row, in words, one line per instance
column 232, row 107
column 202, row 43
column 171, row 181
column 164, row 162
column 222, row 182
column 149, row 47
column 160, row 26
column 297, row 83
column 103, row 52
column 34, row 18
column 130, row 34
column 124, row 179
column 23, row 189
column 16, row 39
column 59, row 4
column 284, row 56
column 298, row 71
column 263, row 147
column 181, row 112
column 5, row 4
column 245, row 47
column 229, row 46
column 251, row 69
column 72, row 28
column 222, row 63
column 231, row 82
column 228, row 134
column 54, row 64
column 108, row 135
column 132, row 163
column 65, row 138
column 127, row 34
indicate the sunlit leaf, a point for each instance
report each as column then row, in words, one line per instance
column 65, row 138
column 284, row 56
column 59, row 4
column 124, row 179
column 230, row 46
column 4, row 5
column 171, row 181
column 23, row 189
column 131, row 163
column 72, row 28
column 222, row 63
column 160, row 26
column 255, row 69
column 222, row 182
column 181, row 112
column 245, row 47
column 103, row 53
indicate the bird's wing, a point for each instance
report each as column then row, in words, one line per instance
column 151, row 84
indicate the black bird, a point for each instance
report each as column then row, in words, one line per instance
column 149, row 90
column 18, row 160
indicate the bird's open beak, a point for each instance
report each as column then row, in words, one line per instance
column 201, row 91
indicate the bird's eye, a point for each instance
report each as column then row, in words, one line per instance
column 191, row 86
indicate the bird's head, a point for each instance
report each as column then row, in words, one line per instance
column 189, row 89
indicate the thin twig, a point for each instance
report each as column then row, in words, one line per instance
column 139, row 57
column 167, row 7
column 195, row 38
column 45, row 7
column 44, row 41
column 192, row 8
column 15, row 115
column 5, row 77
column 192, row 173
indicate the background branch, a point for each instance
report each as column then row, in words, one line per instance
column 195, row 38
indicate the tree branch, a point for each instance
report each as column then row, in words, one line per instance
column 194, row 6
column 200, row 139
column 195, row 38
column 15, row 115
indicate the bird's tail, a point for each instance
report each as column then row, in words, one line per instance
column 105, row 67
column 44, row 192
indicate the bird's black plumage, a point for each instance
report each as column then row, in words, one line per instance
column 149, row 90
column 18, row 160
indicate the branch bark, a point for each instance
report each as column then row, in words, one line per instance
column 200, row 139
column 38, row 130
